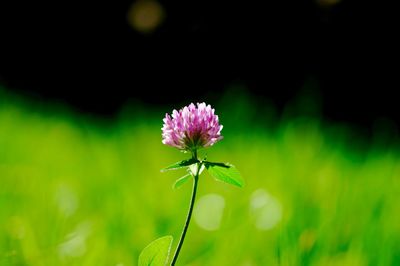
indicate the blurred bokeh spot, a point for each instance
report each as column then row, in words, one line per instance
column 66, row 200
column 208, row 211
column 145, row 16
column 265, row 209
column 75, row 243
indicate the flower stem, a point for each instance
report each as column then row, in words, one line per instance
column 189, row 215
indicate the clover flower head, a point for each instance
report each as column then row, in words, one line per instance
column 191, row 127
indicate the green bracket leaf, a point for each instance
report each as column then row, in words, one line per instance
column 156, row 253
column 180, row 164
column 179, row 182
column 225, row 172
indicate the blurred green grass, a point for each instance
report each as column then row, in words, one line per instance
column 81, row 191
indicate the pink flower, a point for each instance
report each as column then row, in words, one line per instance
column 191, row 128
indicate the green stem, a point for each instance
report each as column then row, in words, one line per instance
column 194, row 154
column 189, row 215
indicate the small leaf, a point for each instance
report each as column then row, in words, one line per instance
column 156, row 253
column 180, row 164
column 179, row 182
column 225, row 172
column 193, row 169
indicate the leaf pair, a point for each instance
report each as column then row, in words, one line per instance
column 222, row 172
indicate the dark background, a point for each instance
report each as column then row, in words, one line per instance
column 87, row 55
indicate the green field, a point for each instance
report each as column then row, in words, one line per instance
column 79, row 190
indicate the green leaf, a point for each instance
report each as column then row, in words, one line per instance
column 156, row 253
column 179, row 182
column 180, row 164
column 225, row 172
